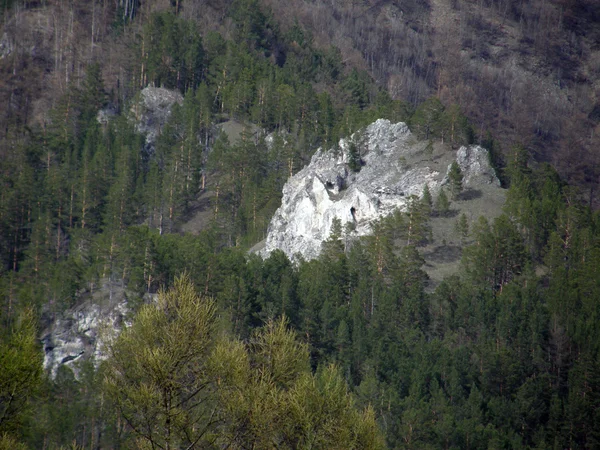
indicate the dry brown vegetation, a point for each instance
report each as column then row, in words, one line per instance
column 528, row 72
column 525, row 71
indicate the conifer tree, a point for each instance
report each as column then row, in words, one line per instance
column 426, row 122
column 333, row 247
column 442, row 204
column 427, row 200
column 417, row 226
column 21, row 374
column 462, row 227
column 158, row 375
column 456, row 179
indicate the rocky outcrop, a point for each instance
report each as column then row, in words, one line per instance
column 152, row 112
column 395, row 166
column 80, row 334
column 474, row 161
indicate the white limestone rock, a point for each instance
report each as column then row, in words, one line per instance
column 152, row 112
column 475, row 165
column 394, row 168
column 81, row 333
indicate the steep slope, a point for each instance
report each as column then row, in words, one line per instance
column 525, row 71
column 395, row 168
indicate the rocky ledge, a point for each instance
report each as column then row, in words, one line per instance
column 394, row 166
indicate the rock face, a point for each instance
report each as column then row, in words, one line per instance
column 152, row 112
column 394, row 167
column 474, row 161
column 79, row 334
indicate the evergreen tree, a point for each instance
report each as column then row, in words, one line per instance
column 417, row 229
column 21, row 374
column 354, row 159
column 157, row 374
column 455, row 177
column 442, row 204
column 426, row 122
column 333, row 247
column 282, row 401
column 462, row 227
column 427, row 200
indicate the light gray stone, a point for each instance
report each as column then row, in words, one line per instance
column 152, row 112
column 394, row 169
column 81, row 333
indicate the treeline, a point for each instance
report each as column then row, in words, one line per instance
column 523, row 71
column 503, row 355
column 506, row 355
column 72, row 187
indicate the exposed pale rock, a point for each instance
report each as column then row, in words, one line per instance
column 475, row 165
column 394, row 168
column 80, row 334
column 105, row 115
column 152, row 112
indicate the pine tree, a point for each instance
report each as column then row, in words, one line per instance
column 427, row 200
column 456, row 180
column 333, row 247
column 442, row 204
column 417, row 229
column 427, row 121
column 157, row 374
column 462, row 228
column 354, row 159
column 21, row 374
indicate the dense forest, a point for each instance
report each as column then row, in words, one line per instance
column 351, row 350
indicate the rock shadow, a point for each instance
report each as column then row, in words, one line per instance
column 448, row 214
column 444, row 254
column 470, row 194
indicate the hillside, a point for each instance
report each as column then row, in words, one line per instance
column 525, row 72
column 405, row 296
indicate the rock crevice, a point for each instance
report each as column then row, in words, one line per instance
column 393, row 169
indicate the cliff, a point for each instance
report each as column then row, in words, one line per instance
column 393, row 167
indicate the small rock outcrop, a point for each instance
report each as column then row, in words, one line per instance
column 394, row 166
column 79, row 334
column 474, row 161
column 152, row 112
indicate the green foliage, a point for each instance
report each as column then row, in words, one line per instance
column 157, row 374
column 442, row 203
column 456, row 179
column 432, row 120
column 354, row 159
column 21, row 374
column 187, row 387
column 356, row 87
column 498, row 254
column 427, row 200
column 417, row 227
column 426, row 122
column 172, row 53
column 254, row 26
column 462, row 227
column 504, row 356
column 9, row 443
column 280, row 400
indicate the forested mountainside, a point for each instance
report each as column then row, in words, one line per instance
column 353, row 349
column 526, row 72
